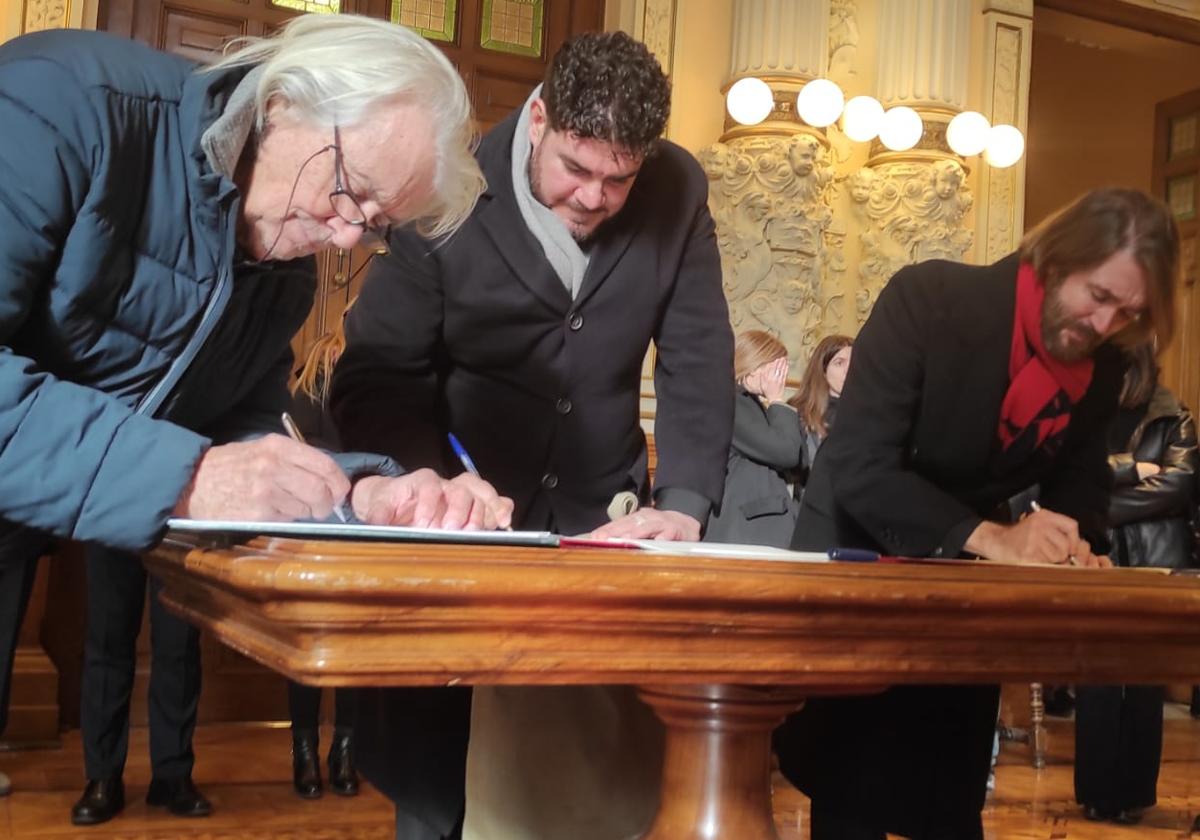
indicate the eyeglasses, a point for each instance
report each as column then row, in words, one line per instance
column 345, row 206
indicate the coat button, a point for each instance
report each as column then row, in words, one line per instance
column 576, row 321
column 563, row 406
column 549, row 481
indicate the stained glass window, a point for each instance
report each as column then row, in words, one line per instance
column 319, row 7
column 434, row 19
column 513, row 26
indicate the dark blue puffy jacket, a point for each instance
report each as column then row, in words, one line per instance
column 130, row 339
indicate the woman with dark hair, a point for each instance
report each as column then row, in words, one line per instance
column 1118, row 728
column 820, row 389
column 756, row 506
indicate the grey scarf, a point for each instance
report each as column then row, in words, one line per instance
column 568, row 260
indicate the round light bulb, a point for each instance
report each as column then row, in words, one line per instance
column 967, row 133
column 1005, row 146
column 901, row 129
column 862, row 118
column 820, row 102
column 750, row 101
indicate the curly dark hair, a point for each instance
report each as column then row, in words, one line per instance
column 607, row 86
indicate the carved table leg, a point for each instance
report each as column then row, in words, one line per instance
column 1037, row 725
column 716, row 772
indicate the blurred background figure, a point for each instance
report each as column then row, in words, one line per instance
column 757, row 506
column 1118, row 729
column 816, row 400
column 309, row 393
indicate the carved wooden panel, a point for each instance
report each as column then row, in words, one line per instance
column 197, row 36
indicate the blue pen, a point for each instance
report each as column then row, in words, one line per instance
column 467, row 463
column 854, row 555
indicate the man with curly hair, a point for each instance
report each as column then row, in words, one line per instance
column 524, row 335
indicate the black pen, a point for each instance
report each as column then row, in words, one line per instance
column 854, row 555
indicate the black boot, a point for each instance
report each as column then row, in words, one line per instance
column 306, row 767
column 102, row 800
column 343, row 778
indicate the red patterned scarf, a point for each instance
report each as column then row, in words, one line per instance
column 1041, row 390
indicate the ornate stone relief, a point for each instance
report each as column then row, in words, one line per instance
column 658, row 31
column 789, row 228
column 46, row 14
column 843, row 38
column 770, row 198
column 907, row 212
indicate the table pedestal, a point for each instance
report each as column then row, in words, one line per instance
column 717, row 767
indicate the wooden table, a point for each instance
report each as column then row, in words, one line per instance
column 721, row 649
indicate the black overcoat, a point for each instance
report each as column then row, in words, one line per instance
column 910, row 469
column 477, row 335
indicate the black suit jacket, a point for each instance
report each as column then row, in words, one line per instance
column 909, row 470
column 477, row 335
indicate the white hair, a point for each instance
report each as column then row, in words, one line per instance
column 336, row 69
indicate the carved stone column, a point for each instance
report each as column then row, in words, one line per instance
column 913, row 205
column 1008, row 35
column 770, row 184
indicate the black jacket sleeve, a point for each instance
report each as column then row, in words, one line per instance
column 1170, row 492
column 900, row 509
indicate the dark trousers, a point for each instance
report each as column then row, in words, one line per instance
column 304, row 705
column 1118, row 745
column 409, row 827
column 19, row 552
column 116, row 595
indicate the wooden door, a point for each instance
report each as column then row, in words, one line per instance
column 1176, row 179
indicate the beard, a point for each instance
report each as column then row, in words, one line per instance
column 582, row 237
column 1057, row 323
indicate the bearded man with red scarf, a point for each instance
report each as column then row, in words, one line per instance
column 968, row 385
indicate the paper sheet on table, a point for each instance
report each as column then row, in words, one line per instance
column 706, row 549
column 344, row 531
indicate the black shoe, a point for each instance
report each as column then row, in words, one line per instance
column 1129, row 816
column 1091, row 812
column 102, row 800
column 343, row 778
column 179, row 796
column 306, row 768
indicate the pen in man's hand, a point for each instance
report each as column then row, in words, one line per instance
column 341, row 509
column 465, row 459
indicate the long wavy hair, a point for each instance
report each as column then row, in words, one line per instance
column 812, row 398
column 313, row 378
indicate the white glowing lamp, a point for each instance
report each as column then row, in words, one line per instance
column 967, row 134
column 901, row 129
column 862, row 118
column 750, row 101
column 1005, row 146
column 820, row 102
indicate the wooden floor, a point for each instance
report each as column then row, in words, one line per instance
column 245, row 771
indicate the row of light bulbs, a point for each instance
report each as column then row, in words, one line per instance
column 821, row 102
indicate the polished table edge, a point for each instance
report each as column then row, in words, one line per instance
column 347, row 613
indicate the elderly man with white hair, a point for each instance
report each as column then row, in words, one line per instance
column 156, row 226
